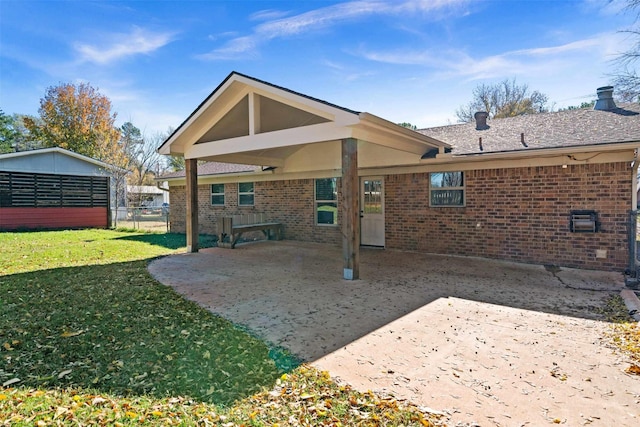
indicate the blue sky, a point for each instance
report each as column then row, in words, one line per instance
column 406, row 61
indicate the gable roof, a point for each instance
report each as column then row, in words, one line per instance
column 249, row 121
column 570, row 128
column 230, row 76
column 55, row 150
column 58, row 150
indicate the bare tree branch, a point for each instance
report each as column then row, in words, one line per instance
column 503, row 99
column 625, row 77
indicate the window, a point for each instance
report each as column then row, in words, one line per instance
column 446, row 189
column 326, row 205
column 245, row 194
column 217, row 194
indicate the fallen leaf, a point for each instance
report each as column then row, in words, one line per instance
column 64, row 373
column 98, row 400
column 60, row 411
column 11, row 381
column 68, row 334
column 633, row 369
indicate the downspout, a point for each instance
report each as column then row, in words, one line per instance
column 158, row 185
column 633, row 223
column 634, row 181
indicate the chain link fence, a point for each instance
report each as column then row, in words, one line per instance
column 632, row 273
column 149, row 218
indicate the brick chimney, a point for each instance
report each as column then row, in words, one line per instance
column 605, row 99
column 481, row 120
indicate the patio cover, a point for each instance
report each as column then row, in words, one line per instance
column 250, row 121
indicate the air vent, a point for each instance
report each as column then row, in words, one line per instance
column 584, row 222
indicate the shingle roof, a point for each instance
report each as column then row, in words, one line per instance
column 212, row 168
column 544, row 130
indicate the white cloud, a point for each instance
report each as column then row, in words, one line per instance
column 548, row 60
column 265, row 15
column 121, row 45
column 239, row 46
column 320, row 19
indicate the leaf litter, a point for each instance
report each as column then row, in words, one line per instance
column 96, row 340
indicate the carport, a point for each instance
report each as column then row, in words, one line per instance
column 249, row 121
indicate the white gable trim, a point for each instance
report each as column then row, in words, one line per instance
column 342, row 123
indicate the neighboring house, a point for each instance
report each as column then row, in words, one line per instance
column 147, row 196
column 554, row 188
column 53, row 188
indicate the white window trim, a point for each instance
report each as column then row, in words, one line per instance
column 245, row 193
column 463, row 187
column 223, row 194
column 316, row 201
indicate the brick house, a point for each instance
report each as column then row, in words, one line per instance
column 551, row 188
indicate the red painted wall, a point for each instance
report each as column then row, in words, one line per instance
column 14, row 218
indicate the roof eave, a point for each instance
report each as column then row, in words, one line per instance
column 225, row 174
column 533, row 152
column 402, row 131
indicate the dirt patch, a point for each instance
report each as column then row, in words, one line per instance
column 485, row 341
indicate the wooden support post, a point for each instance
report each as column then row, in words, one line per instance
column 350, row 210
column 192, row 204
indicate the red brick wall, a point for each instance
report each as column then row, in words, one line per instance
column 519, row 214
column 290, row 202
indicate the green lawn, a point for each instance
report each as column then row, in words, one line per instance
column 87, row 336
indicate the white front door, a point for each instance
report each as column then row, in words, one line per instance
column 372, row 211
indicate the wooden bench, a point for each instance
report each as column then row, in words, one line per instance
column 230, row 228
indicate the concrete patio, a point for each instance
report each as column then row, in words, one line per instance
column 484, row 341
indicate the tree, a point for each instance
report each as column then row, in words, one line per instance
column 582, row 105
column 408, row 125
column 25, row 140
column 504, row 99
column 130, row 138
column 146, row 162
column 626, row 78
column 8, row 134
column 177, row 163
column 14, row 136
column 78, row 118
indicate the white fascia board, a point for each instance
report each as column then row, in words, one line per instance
column 391, row 127
column 380, row 136
column 264, row 141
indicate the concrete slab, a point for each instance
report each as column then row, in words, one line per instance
column 631, row 301
column 486, row 341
